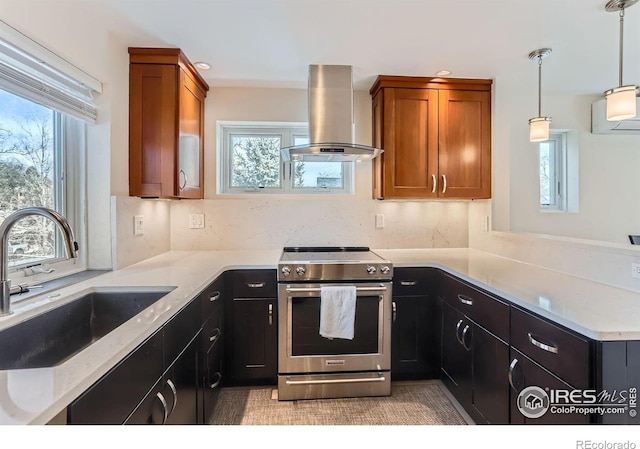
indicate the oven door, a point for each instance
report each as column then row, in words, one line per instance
column 301, row 348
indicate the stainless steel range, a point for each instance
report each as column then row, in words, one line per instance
column 313, row 366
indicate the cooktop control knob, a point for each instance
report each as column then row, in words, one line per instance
column 286, row 271
column 371, row 269
column 300, row 271
column 385, row 269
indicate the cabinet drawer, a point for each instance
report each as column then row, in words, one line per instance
column 255, row 284
column 485, row 310
column 565, row 354
column 412, row 281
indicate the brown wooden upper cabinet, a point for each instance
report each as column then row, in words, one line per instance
column 436, row 136
column 166, row 124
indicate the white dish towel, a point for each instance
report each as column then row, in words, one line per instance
column 337, row 311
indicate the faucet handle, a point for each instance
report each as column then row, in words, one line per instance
column 22, row 288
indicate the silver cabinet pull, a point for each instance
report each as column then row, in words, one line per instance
column 464, row 338
column 394, row 311
column 184, row 177
column 214, row 296
column 165, row 412
column 545, row 347
column 458, row 332
column 408, row 283
column 217, row 382
column 215, row 335
column 444, row 183
column 434, row 178
column 255, row 284
column 465, row 300
column 512, row 367
column 175, row 395
column 270, row 314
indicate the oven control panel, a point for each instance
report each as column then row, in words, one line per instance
column 334, row 271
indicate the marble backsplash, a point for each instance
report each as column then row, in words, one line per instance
column 271, row 223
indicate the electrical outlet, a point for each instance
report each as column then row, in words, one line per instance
column 635, row 270
column 484, row 223
column 196, row 221
column 138, row 221
column 379, row 221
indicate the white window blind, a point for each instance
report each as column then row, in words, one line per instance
column 33, row 72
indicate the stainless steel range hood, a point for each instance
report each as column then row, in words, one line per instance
column 331, row 127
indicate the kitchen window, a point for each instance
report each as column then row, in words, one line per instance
column 251, row 162
column 558, row 169
column 45, row 103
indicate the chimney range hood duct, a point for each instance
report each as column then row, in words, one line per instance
column 331, row 127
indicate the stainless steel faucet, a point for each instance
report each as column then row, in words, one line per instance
column 71, row 247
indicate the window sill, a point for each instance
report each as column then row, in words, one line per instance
column 56, row 284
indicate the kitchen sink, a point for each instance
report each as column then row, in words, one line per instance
column 56, row 335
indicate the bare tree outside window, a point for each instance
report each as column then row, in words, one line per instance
column 26, row 175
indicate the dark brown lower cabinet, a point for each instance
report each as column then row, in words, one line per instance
column 526, row 373
column 474, row 367
column 415, row 337
column 254, row 342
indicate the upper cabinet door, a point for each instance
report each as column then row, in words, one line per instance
column 409, row 164
column 190, row 142
column 465, row 144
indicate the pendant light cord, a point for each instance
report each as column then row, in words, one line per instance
column 540, row 86
column 621, row 43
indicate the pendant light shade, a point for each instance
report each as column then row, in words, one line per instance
column 539, row 126
column 539, row 129
column 621, row 100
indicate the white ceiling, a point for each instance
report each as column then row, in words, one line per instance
column 272, row 42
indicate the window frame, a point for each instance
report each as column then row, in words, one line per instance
column 69, row 147
column 559, row 166
column 287, row 131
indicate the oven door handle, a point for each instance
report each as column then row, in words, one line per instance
column 334, row 381
column 381, row 288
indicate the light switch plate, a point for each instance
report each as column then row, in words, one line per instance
column 635, row 270
column 196, row 221
column 138, row 221
column 379, row 221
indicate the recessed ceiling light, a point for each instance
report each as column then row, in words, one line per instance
column 202, row 65
column 443, row 73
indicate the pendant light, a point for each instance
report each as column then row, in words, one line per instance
column 621, row 100
column 539, row 126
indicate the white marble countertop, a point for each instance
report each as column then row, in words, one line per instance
column 34, row 396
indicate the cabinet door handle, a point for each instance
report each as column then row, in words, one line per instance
column 163, row 402
column 545, row 347
column 255, row 284
column 215, row 335
column 270, row 314
column 434, row 178
column 458, row 337
column 464, row 338
column 394, row 311
column 217, row 382
column 465, row 300
column 512, row 367
column 184, row 179
column 175, row 395
column 214, row 296
column 408, row 283
column 444, row 183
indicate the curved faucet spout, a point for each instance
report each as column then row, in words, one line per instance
column 71, row 246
